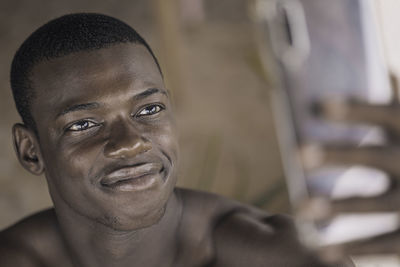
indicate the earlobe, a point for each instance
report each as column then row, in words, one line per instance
column 27, row 149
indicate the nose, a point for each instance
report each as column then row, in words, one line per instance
column 125, row 142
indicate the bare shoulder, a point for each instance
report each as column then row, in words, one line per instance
column 26, row 242
column 213, row 206
column 244, row 239
column 241, row 235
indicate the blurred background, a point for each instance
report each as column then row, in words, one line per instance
column 208, row 52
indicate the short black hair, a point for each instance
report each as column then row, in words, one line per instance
column 59, row 37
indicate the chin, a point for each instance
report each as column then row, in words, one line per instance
column 123, row 223
column 134, row 217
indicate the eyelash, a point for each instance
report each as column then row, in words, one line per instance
column 90, row 124
column 150, row 108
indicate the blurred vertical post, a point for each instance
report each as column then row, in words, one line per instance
column 166, row 13
column 192, row 12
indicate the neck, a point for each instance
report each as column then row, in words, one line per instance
column 93, row 244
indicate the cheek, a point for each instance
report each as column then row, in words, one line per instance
column 73, row 160
column 167, row 141
column 68, row 174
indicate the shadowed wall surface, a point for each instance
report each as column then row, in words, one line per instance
column 227, row 138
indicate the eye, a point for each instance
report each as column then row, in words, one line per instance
column 81, row 125
column 150, row 110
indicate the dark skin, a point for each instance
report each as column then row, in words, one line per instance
column 107, row 144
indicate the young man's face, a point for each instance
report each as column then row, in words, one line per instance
column 107, row 134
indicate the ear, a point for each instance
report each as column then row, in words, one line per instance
column 27, row 149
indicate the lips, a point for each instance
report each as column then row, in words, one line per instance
column 132, row 175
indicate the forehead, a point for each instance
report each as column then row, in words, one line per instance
column 86, row 74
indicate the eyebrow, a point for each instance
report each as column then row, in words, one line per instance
column 149, row 92
column 94, row 105
column 86, row 106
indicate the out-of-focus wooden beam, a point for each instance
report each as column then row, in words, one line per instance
column 166, row 13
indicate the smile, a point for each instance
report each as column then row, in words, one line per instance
column 133, row 178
